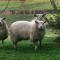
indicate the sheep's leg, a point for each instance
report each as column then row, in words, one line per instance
column 35, row 43
column 2, row 43
column 13, row 37
column 35, row 47
column 31, row 38
column 40, row 43
column 15, row 45
column 41, row 40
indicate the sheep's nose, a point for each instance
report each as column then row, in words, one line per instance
column 41, row 28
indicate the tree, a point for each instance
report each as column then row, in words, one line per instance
column 53, row 4
column 55, row 23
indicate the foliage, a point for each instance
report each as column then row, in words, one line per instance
column 54, row 21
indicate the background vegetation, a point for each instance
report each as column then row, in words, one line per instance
column 28, row 4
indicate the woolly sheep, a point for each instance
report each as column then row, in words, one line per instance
column 28, row 30
column 3, row 30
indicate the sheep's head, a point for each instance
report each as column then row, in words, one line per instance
column 1, row 21
column 40, row 17
column 40, row 21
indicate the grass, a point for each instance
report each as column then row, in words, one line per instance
column 17, row 5
column 12, row 18
column 29, row 4
column 36, row 5
column 49, row 50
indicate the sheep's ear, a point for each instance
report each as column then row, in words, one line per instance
column 43, row 14
column 45, row 21
column 35, row 15
column 4, row 18
column 36, row 22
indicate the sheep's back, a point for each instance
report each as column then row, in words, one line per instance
column 21, row 28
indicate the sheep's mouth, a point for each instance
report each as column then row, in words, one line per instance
column 41, row 29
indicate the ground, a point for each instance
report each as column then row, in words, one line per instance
column 29, row 4
column 50, row 50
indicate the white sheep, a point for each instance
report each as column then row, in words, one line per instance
column 28, row 30
column 3, row 30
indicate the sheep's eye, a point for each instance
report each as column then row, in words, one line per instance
column 44, row 21
column 36, row 22
column 4, row 18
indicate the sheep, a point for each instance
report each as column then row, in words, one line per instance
column 28, row 30
column 3, row 30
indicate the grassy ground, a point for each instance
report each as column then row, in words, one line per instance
column 49, row 50
column 43, row 4
column 12, row 18
column 17, row 5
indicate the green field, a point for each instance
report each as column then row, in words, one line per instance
column 49, row 50
column 36, row 5
column 17, row 5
